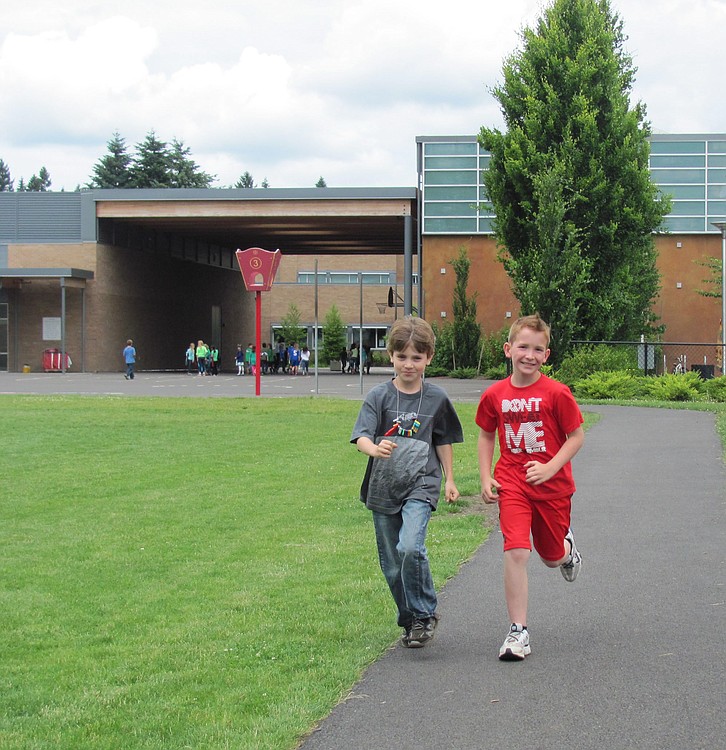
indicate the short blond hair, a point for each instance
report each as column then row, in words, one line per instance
column 414, row 331
column 533, row 322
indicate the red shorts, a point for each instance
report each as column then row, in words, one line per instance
column 548, row 521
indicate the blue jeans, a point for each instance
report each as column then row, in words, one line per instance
column 130, row 370
column 401, row 540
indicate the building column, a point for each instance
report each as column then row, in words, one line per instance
column 408, row 264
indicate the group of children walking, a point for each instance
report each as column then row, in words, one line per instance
column 290, row 359
column 202, row 359
column 407, row 427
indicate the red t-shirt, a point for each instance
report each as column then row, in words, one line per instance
column 533, row 423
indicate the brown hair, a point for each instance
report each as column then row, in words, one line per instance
column 414, row 331
column 533, row 322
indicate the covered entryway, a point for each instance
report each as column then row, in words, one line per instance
column 162, row 266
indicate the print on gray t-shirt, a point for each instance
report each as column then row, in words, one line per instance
column 414, row 471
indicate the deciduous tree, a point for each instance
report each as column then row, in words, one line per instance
column 569, row 179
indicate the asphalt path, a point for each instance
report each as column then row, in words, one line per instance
column 630, row 656
column 226, row 385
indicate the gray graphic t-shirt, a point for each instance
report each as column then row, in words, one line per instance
column 427, row 419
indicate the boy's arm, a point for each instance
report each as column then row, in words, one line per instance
column 485, row 450
column 538, row 472
column 445, row 454
column 381, row 450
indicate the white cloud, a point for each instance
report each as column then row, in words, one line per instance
column 290, row 91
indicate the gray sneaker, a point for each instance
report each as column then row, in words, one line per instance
column 420, row 632
column 516, row 645
column 571, row 568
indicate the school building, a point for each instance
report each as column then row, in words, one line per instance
column 82, row 272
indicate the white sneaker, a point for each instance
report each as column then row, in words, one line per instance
column 516, row 644
column 571, row 568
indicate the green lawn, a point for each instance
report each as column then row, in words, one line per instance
column 183, row 573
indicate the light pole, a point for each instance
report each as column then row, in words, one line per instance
column 721, row 226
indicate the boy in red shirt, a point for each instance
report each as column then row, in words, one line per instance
column 540, row 430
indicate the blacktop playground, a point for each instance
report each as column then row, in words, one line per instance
column 631, row 656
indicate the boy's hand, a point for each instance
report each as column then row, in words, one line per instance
column 451, row 492
column 490, row 491
column 385, row 448
column 536, row 472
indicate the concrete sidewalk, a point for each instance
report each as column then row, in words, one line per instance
column 629, row 656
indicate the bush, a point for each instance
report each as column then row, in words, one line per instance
column 498, row 372
column 492, row 350
column 585, row 360
column 464, row 373
column 491, row 354
column 686, row 387
column 609, row 385
column 435, row 371
column 443, row 356
column 715, row 389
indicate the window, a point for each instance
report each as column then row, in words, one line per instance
column 346, row 277
column 373, row 337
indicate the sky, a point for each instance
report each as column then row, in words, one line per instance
column 292, row 91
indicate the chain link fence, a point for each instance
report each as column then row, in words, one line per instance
column 659, row 357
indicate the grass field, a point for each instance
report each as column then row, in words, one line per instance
column 191, row 573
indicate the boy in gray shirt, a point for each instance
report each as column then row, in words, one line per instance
column 407, row 428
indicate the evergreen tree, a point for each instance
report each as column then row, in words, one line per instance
column 245, row 181
column 184, row 172
column 321, row 182
column 569, row 179
column 22, row 187
column 290, row 329
column 265, row 183
column 6, row 183
column 39, row 183
column 151, row 167
column 333, row 336
column 466, row 332
column 113, row 169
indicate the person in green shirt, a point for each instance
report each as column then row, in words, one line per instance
column 202, row 352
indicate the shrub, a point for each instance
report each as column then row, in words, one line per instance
column 715, row 389
column 587, row 359
column 443, row 356
column 435, row 371
column 686, row 387
column 464, row 373
column 609, row 385
column 492, row 350
column 499, row 372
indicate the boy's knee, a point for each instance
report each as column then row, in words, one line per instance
column 408, row 549
column 518, row 555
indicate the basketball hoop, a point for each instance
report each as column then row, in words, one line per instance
column 382, row 307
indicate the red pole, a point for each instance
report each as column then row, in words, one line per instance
column 258, row 340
